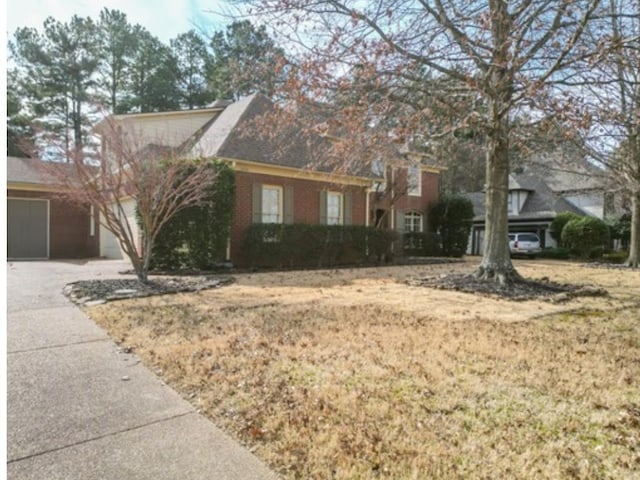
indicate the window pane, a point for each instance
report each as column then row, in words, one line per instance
column 413, row 222
column 271, row 205
column 334, row 208
column 413, row 180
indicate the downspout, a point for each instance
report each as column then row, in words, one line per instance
column 232, row 164
column 367, row 213
column 392, row 207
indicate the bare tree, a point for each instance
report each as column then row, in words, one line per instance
column 611, row 87
column 131, row 168
column 389, row 61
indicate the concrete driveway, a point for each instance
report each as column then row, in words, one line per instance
column 78, row 408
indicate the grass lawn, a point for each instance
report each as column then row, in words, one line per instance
column 353, row 374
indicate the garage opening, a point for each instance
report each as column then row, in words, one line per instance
column 27, row 228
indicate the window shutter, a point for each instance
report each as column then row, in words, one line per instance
column 399, row 221
column 256, row 207
column 348, row 208
column 288, row 204
column 323, row 207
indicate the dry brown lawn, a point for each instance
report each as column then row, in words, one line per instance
column 352, row 374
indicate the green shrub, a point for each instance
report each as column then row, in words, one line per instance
column 450, row 218
column 616, row 257
column 302, row 245
column 425, row 244
column 586, row 236
column 621, row 229
column 197, row 236
column 557, row 253
column 558, row 223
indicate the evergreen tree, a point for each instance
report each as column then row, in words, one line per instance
column 57, row 71
column 193, row 61
column 152, row 80
column 117, row 46
column 19, row 131
column 245, row 60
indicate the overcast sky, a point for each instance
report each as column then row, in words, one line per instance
column 163, row 18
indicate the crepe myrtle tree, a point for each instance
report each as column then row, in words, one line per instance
column 133, row 167
column 383, row 68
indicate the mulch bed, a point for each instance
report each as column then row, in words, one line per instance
column 94, row 292
column 516, row 291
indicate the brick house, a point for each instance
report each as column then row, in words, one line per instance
column 40, row 223
column 277, row 187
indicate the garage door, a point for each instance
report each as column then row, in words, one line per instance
column 27, row 228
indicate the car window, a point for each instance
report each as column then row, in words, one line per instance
column 529, row 237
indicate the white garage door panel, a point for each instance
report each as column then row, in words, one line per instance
column 109, row 246
column 27, row 228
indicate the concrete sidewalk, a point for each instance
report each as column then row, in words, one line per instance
column 70, row 414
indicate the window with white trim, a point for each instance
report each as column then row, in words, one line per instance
column 334, row 208
column 414, row 185
column 413, row 222
column 271, row 204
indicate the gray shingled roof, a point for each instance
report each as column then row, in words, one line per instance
column 542, row 201
column 566, row 174
column 25, row 170
column 232, row 135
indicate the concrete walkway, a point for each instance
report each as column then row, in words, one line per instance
column 70, row 414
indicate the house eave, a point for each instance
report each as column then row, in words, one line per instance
column 248, row 166
column 32, row 187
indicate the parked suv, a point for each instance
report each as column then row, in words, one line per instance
column 524, row 244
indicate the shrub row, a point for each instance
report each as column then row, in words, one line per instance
column 302, row 245
column 420, row 244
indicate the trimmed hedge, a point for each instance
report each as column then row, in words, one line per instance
column 558, row 223
column 421, row 244
column 196, row 237
column 586, row 236
column 451, row 218
column 557, row 253
column 302, row 245
column 620, row 256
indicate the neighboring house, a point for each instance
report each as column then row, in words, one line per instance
column 276, row 186
column 40, row 223
column 537, row 195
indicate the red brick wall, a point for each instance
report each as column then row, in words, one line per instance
column 306, row 208
column 68, row 227
column 430, row 193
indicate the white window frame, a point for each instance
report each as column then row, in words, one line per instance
column 333, row 220
column 414, row 190
column 412, row 216
column 280, row 213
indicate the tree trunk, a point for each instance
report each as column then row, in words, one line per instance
column 496, row 261
column 634, row 245
column 498, row 88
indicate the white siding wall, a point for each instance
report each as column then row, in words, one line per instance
column 109, row 246
column 169, row 130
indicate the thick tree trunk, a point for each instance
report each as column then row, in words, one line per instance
column 634, row 246
column 496, row 261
